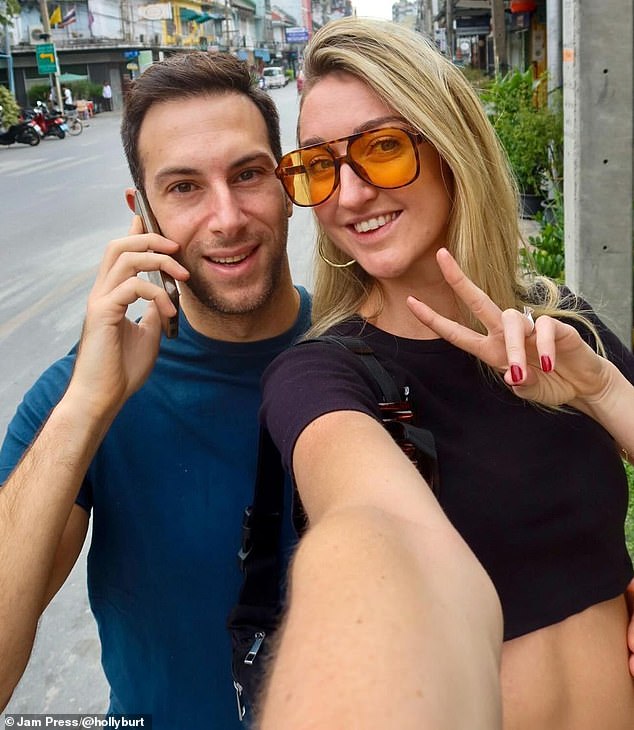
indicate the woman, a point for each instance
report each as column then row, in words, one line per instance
column 399, row 162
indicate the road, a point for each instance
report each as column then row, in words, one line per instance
column 62, row 202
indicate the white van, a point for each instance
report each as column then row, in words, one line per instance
column 274, row 76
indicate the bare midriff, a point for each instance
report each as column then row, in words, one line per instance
column 572, row 675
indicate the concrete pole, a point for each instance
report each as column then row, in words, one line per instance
column 598, row 136
column 8, row 56
column 449, row 28
column 499, row 37
column 428, row 25
column 553, row 25
column 46, row 25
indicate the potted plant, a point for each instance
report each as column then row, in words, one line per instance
column 531, row 134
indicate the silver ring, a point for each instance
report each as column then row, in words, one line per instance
column 528, row 313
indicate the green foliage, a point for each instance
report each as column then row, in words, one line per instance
column 532, row 135
column 84, row 89
column 476, row 77
column 10, row 110
column 10, row 9
column 38, row 92
column 545, row 252
column 629, row 520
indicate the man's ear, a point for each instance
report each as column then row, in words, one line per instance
column 129, row 198
column 289, row 206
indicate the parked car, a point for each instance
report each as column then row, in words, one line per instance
column 274, row 77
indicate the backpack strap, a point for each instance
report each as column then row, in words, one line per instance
column 257, row 613
column 389, row 391
column 261, row 525
column 396, row 412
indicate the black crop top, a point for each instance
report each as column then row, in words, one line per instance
column 539, row 496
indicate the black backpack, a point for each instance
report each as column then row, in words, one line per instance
column 257, row 614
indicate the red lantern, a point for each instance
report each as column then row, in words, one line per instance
column 523, row 6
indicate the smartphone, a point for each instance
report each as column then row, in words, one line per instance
column 160, row 278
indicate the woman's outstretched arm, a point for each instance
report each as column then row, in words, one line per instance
column 392, row 622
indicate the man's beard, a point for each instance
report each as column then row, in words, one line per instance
column 239, row 299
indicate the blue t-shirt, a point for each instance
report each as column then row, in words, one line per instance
column 167, row 489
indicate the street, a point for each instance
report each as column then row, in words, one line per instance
column 62, row 201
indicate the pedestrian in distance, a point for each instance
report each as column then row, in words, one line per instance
column 156, row 438
column 404, row 172
column 106, row 95
column 68, row 98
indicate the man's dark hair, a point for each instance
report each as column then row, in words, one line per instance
column 189, row 75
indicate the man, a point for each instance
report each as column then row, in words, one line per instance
column 157, row 437
column 106, row 93
column 68, row 98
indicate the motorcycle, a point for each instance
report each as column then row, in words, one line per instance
column 23, row 132
column 51, row 124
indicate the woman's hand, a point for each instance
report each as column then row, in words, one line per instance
column 547, row 361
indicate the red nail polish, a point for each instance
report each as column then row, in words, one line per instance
column 547, row 364
column 516, row 373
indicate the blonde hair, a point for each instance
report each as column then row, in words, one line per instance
column 415, row 80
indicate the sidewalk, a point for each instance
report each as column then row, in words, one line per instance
column 528, row 227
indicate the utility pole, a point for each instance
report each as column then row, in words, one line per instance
column 428, row 23
column 553, row 44
column 598, row 136
column 499, row 37
column 227, row 31
column 449, row 28
column 46, row 25
column 7, row 55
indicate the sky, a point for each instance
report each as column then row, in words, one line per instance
column 374, row 8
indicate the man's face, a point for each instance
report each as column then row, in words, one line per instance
column 209, row 178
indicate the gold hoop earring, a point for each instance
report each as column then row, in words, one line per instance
column 332, row 263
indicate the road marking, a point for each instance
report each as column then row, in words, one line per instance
column 46, row 302
column 53, row 164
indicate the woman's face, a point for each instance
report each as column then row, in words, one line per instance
column 391, row 233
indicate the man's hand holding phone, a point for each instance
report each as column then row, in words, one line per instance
column 160, row 277
column 116, row 355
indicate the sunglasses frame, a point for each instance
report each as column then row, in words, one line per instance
column 414, row 137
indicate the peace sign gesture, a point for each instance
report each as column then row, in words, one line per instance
column 545, row 361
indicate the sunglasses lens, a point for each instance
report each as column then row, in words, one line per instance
column 385, row 157
column 308, row 175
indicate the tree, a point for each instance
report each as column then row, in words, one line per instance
column 10, row 109
column 11, row 8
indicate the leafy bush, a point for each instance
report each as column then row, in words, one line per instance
column 476, row 77
column 38, row 92
column 545, row 251
column 10, row 110
column 532, row 135
column 85, row 90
